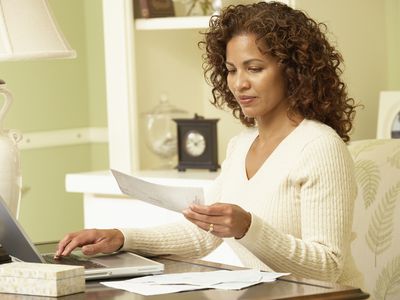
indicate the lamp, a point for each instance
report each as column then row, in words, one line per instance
column 27, row 31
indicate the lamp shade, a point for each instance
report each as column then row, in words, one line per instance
column 29, row 31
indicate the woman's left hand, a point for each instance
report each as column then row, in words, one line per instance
column 224, row 220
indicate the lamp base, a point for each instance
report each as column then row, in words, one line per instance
column 10, row 175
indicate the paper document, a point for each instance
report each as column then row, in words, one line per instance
column 174, row 198
column 173, row 283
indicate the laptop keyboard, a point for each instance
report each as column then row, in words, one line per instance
column 73, row 260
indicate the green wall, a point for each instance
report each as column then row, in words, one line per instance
column 393, row 39
column 358, row 28
column 53, row 95
column 96, row 78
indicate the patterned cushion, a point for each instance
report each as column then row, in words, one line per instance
column 376, row 247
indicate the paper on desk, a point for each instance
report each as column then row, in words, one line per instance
column 174, row 198
column 172, row 283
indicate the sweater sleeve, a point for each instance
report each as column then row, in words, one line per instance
column 325, row 186
column 180, row 238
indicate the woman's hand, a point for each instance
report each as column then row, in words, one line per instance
column 228, row 220
column 92, row 241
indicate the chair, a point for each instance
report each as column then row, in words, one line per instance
column 376, row 247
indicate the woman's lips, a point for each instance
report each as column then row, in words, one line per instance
column 246, row 100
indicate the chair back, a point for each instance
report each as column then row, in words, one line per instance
column 376, row 247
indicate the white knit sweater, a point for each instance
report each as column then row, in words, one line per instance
column 301, row 200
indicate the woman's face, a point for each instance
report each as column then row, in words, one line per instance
column 255, row 79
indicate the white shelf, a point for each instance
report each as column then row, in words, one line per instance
column 169, row 23
column 102, row 182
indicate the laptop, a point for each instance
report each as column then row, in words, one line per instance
column 124, row 264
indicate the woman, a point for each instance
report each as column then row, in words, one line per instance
column 284, row 199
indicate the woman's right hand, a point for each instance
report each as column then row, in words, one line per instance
column 92, row 241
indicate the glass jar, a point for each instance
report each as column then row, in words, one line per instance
column 161, row 135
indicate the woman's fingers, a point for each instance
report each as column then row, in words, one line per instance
column 216, row 209
column 92, row 241
column 188, row 213
column 98, row 247
column 68, row 244
column 218, row 228
column 228, row 220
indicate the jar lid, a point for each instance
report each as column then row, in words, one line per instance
column 165, row 108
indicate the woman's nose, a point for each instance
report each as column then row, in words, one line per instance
column 242, row 82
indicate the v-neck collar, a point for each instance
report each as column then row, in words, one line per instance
column 270, row 157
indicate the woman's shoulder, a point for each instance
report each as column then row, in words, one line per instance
column 317, row 129
column 323, row 153
column 317, row 135
column 314, row 131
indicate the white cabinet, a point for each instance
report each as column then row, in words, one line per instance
column 145, row 59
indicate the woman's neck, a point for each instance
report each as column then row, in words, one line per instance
column 277, row 128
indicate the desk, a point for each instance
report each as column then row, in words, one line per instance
column 287, row 287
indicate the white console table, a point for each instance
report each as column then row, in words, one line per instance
column 105, row 206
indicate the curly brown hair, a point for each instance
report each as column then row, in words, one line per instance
column 311, row 65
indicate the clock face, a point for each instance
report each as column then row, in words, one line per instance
column 195, row 143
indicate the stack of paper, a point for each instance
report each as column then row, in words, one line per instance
column 172, row 283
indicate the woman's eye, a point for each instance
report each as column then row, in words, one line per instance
column 255, row 69
column 231, row 70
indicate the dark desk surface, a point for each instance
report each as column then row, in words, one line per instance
column 287, row 287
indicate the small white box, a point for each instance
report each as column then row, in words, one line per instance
column 41, row 279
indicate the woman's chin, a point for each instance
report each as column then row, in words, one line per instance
column 249, row 114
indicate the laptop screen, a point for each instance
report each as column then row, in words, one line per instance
column 14, row 239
